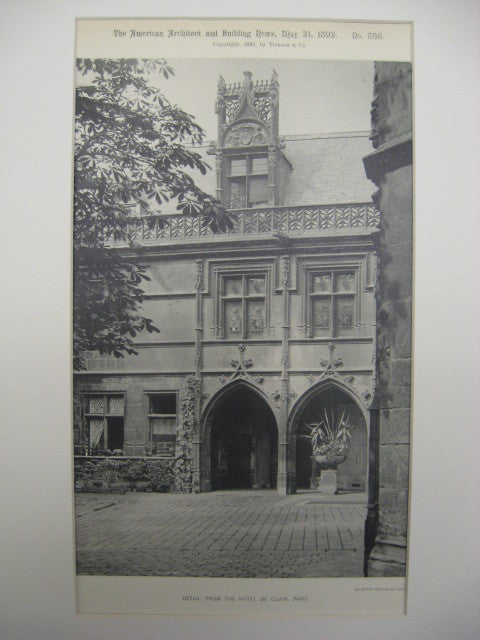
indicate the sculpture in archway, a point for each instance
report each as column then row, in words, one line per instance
column 331, row 440
column 330, row 437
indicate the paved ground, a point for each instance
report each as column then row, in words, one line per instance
column 232, row 534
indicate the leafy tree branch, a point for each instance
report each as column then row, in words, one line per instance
column 132, row 147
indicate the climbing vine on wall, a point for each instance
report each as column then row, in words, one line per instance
column 184, row 446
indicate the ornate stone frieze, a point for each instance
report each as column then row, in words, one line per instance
column 245, row 135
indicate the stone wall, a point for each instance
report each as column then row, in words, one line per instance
column 390, row 167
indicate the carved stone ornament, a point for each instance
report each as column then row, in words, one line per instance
column 237, row 195
column 245, row 135
column 367, row 395
column 278, row 397
column 263, row 106
column 254, row 99
column 286, row 270
column 346, row 378
column 241, row 366
column 330, row 364
column 199, row 273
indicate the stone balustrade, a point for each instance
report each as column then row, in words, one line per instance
column 295, row 221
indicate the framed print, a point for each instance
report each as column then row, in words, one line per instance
column 242, row 315
column 43, row 588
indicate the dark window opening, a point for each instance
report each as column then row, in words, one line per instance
column 115, row 435
column 163, row 403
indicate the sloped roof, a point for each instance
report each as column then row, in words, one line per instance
column 326, row 169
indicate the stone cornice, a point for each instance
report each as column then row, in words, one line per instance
column 388, row 157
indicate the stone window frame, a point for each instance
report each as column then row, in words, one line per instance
column 105, row 414
column 356, row 264
column 169, row 451
column 249, row 173
column 267, row 270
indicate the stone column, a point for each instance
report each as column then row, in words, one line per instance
column 287, row 458
column 282, row 475
column 197, row 443
column 390, row 168
column 314, row 474
column 205, row 476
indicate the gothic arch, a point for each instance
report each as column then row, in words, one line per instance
column 239, row 436
column 222, row 393
column 329, row 394
column 319, row 387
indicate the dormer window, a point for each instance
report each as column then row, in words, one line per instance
column 248, row 157
column 248, row 181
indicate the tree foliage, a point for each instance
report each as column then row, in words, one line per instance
column 132, row 147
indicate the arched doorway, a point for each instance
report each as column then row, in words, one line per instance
column 243, row 441
column 351, row 474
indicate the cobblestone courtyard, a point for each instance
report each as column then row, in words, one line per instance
column 231, row 534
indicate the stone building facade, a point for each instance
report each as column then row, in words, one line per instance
column 263, row 328
column 390, row 168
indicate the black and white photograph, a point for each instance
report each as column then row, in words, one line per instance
column 240, row 346
column 242, row 313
